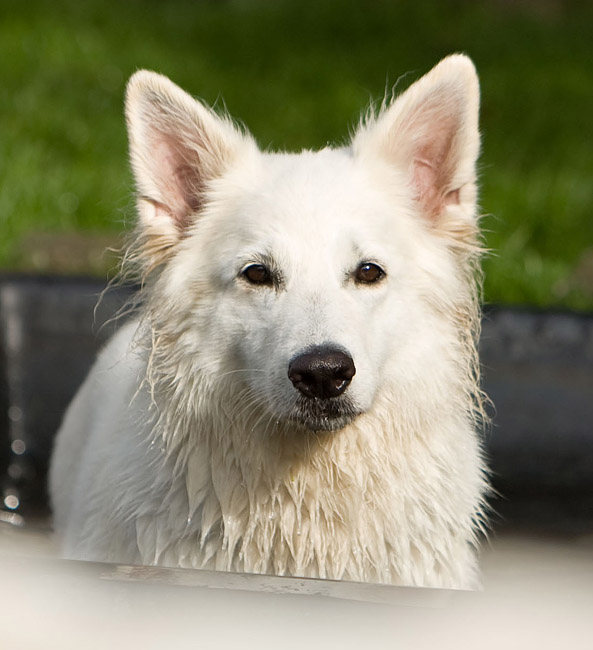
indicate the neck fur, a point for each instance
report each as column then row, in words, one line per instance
column 382, row 500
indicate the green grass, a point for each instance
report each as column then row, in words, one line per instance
column 298, row 74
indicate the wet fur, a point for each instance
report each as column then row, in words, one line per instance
column 187, row 446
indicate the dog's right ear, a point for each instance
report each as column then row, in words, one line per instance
column 177, row 147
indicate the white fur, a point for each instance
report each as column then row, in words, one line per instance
column 182, row 447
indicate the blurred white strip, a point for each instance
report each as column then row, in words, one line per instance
column 536, row 596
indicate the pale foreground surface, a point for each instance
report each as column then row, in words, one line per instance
column 536, row 595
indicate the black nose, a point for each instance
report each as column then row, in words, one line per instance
column 321, row 372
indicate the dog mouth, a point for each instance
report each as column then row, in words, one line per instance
column 317, row 414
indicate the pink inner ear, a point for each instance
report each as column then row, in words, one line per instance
column 190, row 187
column 452, row 197
column 178, row 180
column 424, row 178
column 433, row 166
column 429, row 193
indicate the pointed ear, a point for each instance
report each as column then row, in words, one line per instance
column 177, row 146
column 430, row 133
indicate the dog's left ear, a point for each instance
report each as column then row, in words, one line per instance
column 430, row 134
column 178, row 147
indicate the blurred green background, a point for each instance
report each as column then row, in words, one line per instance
column 298, row 75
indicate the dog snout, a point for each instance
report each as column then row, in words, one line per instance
column 322, row 372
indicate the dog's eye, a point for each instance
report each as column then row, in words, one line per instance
column 257, row 274
column 368, row 273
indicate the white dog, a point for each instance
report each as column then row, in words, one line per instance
column 299, row 394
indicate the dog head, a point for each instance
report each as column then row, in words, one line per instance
column 309, row 281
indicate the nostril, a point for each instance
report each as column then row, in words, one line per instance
column 322, row 372
column 346, row 370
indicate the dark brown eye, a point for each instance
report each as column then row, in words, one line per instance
column 368, row 273
column 257, row 274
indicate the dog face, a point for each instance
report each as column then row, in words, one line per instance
column 307, row 282
column 307, row 279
